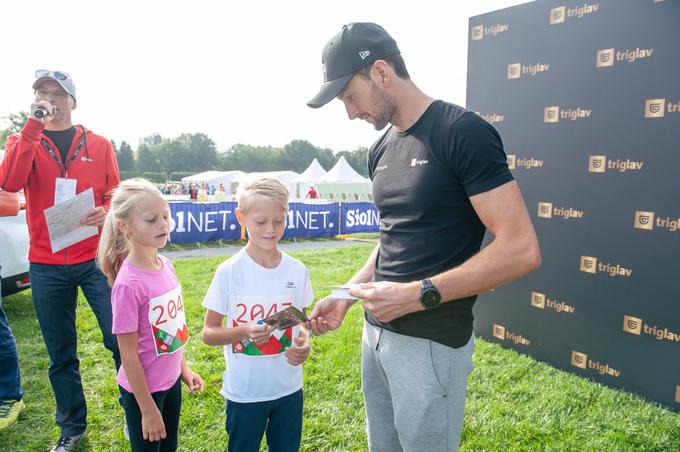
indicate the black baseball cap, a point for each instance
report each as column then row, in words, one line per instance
column 356, row 46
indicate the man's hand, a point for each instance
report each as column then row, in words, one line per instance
column 298, row 353
column 94, row 217
column 43, row 105
column 389, row 300
column 327, row 315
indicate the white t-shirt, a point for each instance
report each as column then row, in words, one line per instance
column 244, row 291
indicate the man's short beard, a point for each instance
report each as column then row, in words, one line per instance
column 385, row 108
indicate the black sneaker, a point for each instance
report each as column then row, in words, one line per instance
column 67, row 443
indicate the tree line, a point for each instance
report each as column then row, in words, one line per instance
column 192, row 153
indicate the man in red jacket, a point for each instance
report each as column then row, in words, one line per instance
column 50, row 153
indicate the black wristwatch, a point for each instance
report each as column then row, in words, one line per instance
column 429, row 295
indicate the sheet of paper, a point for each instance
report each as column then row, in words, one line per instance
column 342, row 292
column 64, row 189
column 63, row 221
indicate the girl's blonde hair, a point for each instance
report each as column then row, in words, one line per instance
column 113, row 244
column 267, row 188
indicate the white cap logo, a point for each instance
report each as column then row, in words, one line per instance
column 364, row 53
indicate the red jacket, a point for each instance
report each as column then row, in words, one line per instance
column 28, row 165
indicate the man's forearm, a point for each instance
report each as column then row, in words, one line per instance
column 498, row 263
column 365, row 274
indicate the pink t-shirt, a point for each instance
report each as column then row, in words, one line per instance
column 150, row 303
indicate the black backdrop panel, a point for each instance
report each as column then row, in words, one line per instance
column 586, row 97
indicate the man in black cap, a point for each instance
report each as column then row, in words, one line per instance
column 440, row 179
column 53, row 160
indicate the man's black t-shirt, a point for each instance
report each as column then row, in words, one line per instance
column 62, row 139
column 422, row 181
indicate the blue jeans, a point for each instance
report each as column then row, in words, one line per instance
column 55, row 293
column 280, row 418
column 10, row 383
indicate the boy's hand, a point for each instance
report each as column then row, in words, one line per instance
column 192, row 380
column 298, row 353
column 258, row 332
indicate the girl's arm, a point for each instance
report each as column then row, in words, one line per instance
column 153, row 428
column 191, row 378
column 215, row 334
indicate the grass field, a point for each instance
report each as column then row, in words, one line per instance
column 514, row 402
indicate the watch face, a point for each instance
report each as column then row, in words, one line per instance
column 430, row 298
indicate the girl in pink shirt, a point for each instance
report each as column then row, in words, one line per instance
column 148, row 315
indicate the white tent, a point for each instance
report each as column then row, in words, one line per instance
column 341, row 172
column 214, row 177
column 284, row 176
column 342, row 183
column 308, row 177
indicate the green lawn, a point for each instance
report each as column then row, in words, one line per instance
column 514, row 402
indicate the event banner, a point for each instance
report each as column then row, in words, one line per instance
column 585, row 96
column 203, row 222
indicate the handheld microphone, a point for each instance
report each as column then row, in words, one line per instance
column 40, row 112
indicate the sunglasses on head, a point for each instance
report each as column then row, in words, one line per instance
column 55, row 74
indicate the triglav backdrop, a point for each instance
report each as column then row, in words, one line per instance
column 586, row 96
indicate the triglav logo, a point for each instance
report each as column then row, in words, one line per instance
column 581, row 361
column 480, row 31
column 606, row 57
column 490, row 117
column 500, row 332
column 657, row 108
column 558, row 15
column 590, row 264
column 477, row 32
column 551, row 114
column 516, row 70
column 649, row 220
column 635, row 325
column 644, row 220
column 561, row 13
column 547, row 210
column 632, row 325
column 541, row 301
column 599, row 164
column 555, row 113
column 527, row 163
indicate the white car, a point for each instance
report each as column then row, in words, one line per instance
column 14, row 251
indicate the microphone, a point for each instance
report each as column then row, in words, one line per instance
column 40, row 112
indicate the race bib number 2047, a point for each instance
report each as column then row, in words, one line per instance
column 168, row 321
column 251, row 308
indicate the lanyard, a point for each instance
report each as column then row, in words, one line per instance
column 62, row 167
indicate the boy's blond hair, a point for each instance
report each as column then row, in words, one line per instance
column 267, row 188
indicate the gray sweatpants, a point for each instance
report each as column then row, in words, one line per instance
column 414, row 390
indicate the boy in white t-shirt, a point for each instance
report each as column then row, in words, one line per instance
column 263, row 380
